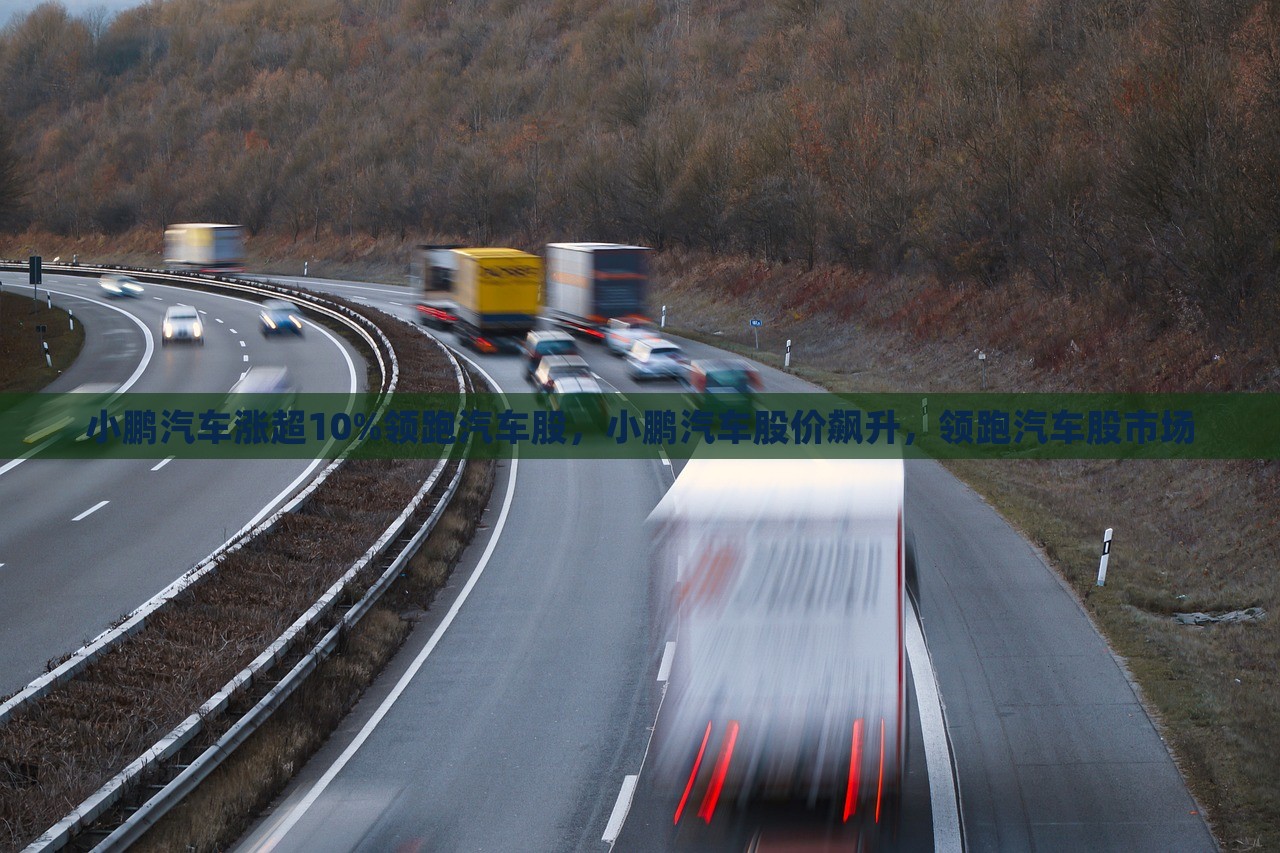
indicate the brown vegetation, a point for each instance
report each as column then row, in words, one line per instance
column 1110, row 151
column 22, row 364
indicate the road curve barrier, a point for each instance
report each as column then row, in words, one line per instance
column 391, row 551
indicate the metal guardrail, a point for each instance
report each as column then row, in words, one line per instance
column 135, row 621
column 146, row 816
column 101, row 801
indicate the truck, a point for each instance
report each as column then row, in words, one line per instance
column 588, row 284
column 204, row 246
column 496, row 297
column 432, row 269
column 780, row 583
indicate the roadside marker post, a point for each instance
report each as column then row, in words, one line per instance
column 786, row 362
column 71, row 320
column 662, row 324
column 1106, row 555
column 924, row 415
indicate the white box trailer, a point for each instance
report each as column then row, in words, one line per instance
column 782, row 584
column 588, row 284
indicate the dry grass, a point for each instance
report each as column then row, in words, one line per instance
column 231, row 798
column 22, row 364
column 1188, row 535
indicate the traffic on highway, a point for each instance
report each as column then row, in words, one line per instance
column 633, row 654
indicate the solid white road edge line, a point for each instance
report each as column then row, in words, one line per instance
column 147, row 352
column 933, row 729
column 664, row 668
column 620, row 809
column 162, row 463
column 91, row 510
column 292, row 814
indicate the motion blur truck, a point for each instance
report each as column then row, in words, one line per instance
column 588, row 284
column 781, row 582
column 496, row 294
column 204, row 246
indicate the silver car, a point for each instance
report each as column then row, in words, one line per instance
column 656, row 358
column 182, row 323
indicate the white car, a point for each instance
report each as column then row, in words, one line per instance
column 622, row 332
column 114, row 284
column 554, row 367
column 182, row 323
column 656, row 358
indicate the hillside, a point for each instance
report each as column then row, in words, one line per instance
column 1120, row 151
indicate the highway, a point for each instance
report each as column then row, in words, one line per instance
column 85, row 542
column 521, row 706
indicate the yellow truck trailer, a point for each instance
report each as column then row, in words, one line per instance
column 497, row 296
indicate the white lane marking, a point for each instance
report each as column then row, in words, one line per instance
column 231, row 330
column 664, row 668
column 1, row 565
column 157, row 299
column 91, row 510
column 288, row 816
column 147, row 352
column 244, row 374
column 620, row 809
column 246, row 358
column 665, row 460
column 24, row 457
column 162, row 463
column 397, row 304
column 242, row 343
column 933, row 729
column 218, row 320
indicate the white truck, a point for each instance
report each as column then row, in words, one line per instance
column 204, row 246
column 781, row 583
column 588, row 284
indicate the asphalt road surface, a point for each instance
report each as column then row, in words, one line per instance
column 521, row 705
column 84, row 542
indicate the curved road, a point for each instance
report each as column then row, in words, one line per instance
column 518, row 708
column 84, row 542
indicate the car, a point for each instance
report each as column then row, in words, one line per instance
column 280, row 317
column 265, row 380
column 182, row 323
column 622, row 332
column 656, row 358
column 71, row 413
column 275, row 383
column 553, row 367
column 538, row 344
column 722, row 383
column 582, row 400
column 115, row 285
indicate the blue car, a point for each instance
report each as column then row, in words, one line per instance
column 280, row 317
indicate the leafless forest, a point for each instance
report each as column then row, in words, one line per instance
column 1113, row 149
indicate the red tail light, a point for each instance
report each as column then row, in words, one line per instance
column 693, row 774
column 855, row 771
column 880, row 782
column 722, row 770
